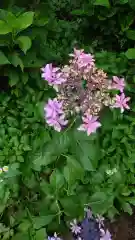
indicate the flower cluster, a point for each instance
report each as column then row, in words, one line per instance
column 81, row 89
column 90, row 228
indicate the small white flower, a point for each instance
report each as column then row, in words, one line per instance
column 5, row 169
column 1, row 170
column 74, row 227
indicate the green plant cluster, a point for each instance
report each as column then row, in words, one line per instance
column 51, row 175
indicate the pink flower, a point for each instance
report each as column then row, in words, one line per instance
column 52, row 75
column 85, row 60
column 53, row 108
column 57, row 122
column 121, row 102
column 76, row 53
column 54, row 114
column 118, row 83
column 90, row 124
column 74, row 227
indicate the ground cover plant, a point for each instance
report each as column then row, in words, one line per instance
column 48, row 177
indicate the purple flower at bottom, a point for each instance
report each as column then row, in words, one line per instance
column 75, row 227
column 54, row 237
column 105, row 235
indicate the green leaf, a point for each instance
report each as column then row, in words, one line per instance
column 42, row 221
column 127, row 208
column 41, row 234
column 132, row 4
column 25, row 20
column 4, row 28
column 24, row 226
column 73, row 170
column 130, row 34
column 13, row 78
column 130, row 53
column 16, row 60
column 3, row 59
column 56, row 179
column 24, row 43
column 24, row 77
column 104, row 3
column 21, row 236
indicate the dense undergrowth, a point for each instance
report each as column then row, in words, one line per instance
column 51, row 176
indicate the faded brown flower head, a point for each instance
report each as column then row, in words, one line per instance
column 84, row 91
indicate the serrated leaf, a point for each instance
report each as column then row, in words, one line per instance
column 4, row 28
column 25, row 20
column 24, row 43
column 3, row 59
column 13, row 78
column 42, row 221
column 104, row 3
column 130, row 53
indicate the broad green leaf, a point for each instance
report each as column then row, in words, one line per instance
column 132, row 4
column 24, row 43
column 100, row 202
column 25, row 20
column 42, row 159
column 127, row 208
column 130, row 34
column 104, row 3
column 122, row 1
column 73, row 170
column 41, row 234
column 39, row 222
column 21, row 236
column 13, row 78
column 16, row 60
column 41, row 21
column 78, row 12
column 3, row 59
column 4, row 28
column 56, row 179
column 130, row 53
column 24, row 226
column 24, row 77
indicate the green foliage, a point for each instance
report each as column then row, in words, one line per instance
column 53, row 175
